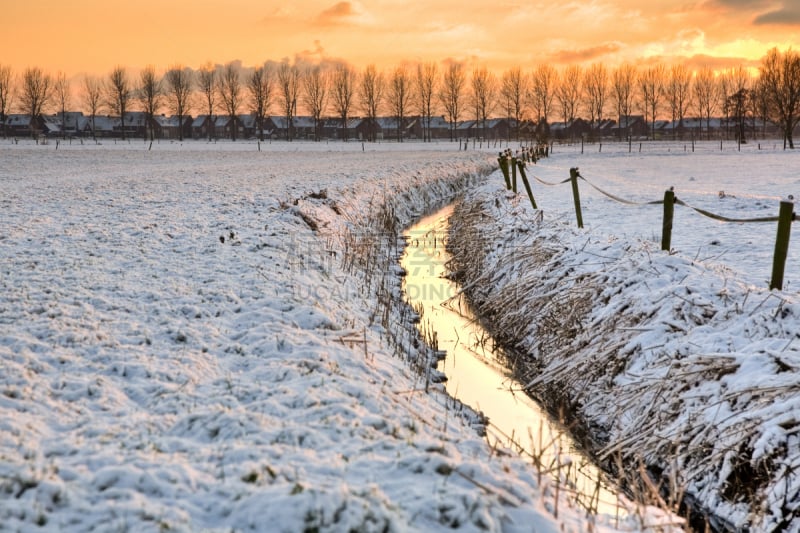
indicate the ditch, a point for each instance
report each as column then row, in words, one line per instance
column 476, row 375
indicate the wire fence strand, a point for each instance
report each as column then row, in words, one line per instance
column 621, row 200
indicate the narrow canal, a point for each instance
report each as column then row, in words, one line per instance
column 477, row 377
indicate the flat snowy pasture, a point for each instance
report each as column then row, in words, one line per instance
column 184, row 346
column 739, row 183
column 685, row 362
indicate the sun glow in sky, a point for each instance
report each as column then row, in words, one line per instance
column 94, row 36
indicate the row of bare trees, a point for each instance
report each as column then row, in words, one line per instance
column 428, row 90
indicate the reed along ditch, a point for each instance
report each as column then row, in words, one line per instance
column 475, row 375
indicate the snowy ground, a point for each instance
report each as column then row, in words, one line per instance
column 684, row 362
column 194, row 338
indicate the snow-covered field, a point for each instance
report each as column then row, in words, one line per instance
column 735, row 184
column 683, row 362
column 198, row 338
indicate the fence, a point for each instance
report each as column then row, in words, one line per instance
column 510, row 165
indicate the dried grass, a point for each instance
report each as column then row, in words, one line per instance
column 658, row 431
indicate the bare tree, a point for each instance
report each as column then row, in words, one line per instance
column 62, row 95
column 425, row 82
column 513, row 90
column 344, row 86
column 595, row 85
column 544, row 82
column 370, row 96
column 207, row 83
column 623, row 79
column 399, row 97
column 150, row 93
column 179, row 82
column 316, row 92
column 452, row 93
column 568, row 92
column 781, row 75
column 736, row 83
column 288, row 89
column 484, row 92
column 260, row 86
column 725, row 84
column 6, row 95
column 677, row 91
column 761, row 104
column 651, row 85
column 35, row 95
column 229, row 88
column 92, row 99
column 119, row 94
column 705, row 88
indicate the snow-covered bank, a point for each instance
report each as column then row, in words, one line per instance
column 669, row 362
column 193, row 338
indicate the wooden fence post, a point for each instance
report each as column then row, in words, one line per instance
column 666, row 228
column 526, row 183
column 514, row 174
column 576, row 196
column 785, row 217
column 504, row 167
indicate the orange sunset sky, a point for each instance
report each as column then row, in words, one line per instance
column 93, row 36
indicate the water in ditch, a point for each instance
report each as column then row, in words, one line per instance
column 477, row 377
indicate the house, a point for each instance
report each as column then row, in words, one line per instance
column 172, row 127
column 21, row 125
column 267, row 128
column 332, row 127
column 368, row 129
column 279, row 126
column 249, row 125
column 303, row 127
column 74, row 124
column 51, row 125
column 203, row 127
column 227, row 127
column 387, row 128
column 528, row 129
column 135, row 124
column 571, row 130
column 605, row 128
column 630, row 126
column 659, row 128
column 103, row 125
column 685, row 127
column 466, row 129
column 437, row 128
column 499, row 128
column 381, row 128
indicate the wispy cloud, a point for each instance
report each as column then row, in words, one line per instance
column 786, row 15
column 766, row 12
column 343, row 13
column 586, row 54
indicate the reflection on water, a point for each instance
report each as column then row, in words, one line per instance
column 477, row 377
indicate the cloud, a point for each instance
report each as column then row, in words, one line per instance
column 586, row 54
column 718, row 63
column 340, row 10
column 343, row 13
column 743, row 4
column 308, row 56
column 788, row 16
column 766, row 12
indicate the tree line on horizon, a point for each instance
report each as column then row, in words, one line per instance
column 425, row 90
